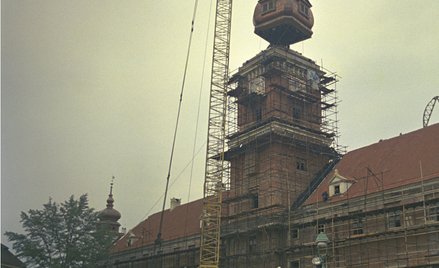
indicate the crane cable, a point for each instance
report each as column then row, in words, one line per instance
column 159, row 234
column 173, row 182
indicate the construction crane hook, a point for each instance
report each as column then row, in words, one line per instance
column 428, row 110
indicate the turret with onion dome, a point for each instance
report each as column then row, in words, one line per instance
column 283, row 22
column 108, row 217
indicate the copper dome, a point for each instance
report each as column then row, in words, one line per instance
column 109, row 213
column 283, row 22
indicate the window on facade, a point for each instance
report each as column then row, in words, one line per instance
column 252, row 244
column 301, row 164
column 294, row 233
column 357, row 226
column 394, row 219
column 297, row 112
column 231, row 247
column 337, row 189
column 258, row 114
column 304, row 9
column 249, row 163
column 255, row 201
column 409, row 220
column 268, row 6
column 338, row 184
column 433, row 212
column 294, row 264
column 320, row 228
column 131, row 239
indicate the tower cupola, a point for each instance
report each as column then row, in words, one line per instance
column 109, row 216
column 283, row 22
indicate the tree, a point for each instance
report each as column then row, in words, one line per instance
column 61, row 235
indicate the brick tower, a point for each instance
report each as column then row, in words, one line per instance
column 281, row 143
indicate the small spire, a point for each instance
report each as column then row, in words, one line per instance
column 108, row 217
column 110, row 199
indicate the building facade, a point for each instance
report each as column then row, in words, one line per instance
column 180, row 240
column 378, row 206
column 289, row 185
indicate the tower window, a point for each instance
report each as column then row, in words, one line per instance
column 255, row 201
column 304, row 9
column 257, row 85
column 294, row 233
column 258, row 114
column 249, row 163
column 268, row 6
column 301, row 164
column 297, row 113
column 294, row 264
column 252, row 243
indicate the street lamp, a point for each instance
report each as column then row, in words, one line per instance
column 322, row 242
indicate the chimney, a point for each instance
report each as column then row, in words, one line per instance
column 175, row 202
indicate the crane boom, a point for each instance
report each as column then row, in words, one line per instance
column 215, row 166
column 428, row 110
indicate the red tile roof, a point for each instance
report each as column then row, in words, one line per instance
column 394, row 162
column 182, row 221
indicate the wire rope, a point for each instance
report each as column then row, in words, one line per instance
column 170, row 186
column 159, row 234
column 173, row 181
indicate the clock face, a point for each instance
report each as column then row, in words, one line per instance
column 313, row 78
column 257, row 85
column 316, row 260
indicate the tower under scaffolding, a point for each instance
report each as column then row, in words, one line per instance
column 282, row 135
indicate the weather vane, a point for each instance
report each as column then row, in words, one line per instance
column 111, row 184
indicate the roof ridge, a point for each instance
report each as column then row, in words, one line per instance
column 401, row 135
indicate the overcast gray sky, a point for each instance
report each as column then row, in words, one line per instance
column 90, row 90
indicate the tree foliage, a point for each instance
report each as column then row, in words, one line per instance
column 61, row 235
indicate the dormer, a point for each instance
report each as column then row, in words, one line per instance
column 338, row 184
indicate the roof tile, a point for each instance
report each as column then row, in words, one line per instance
column 182, row 221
